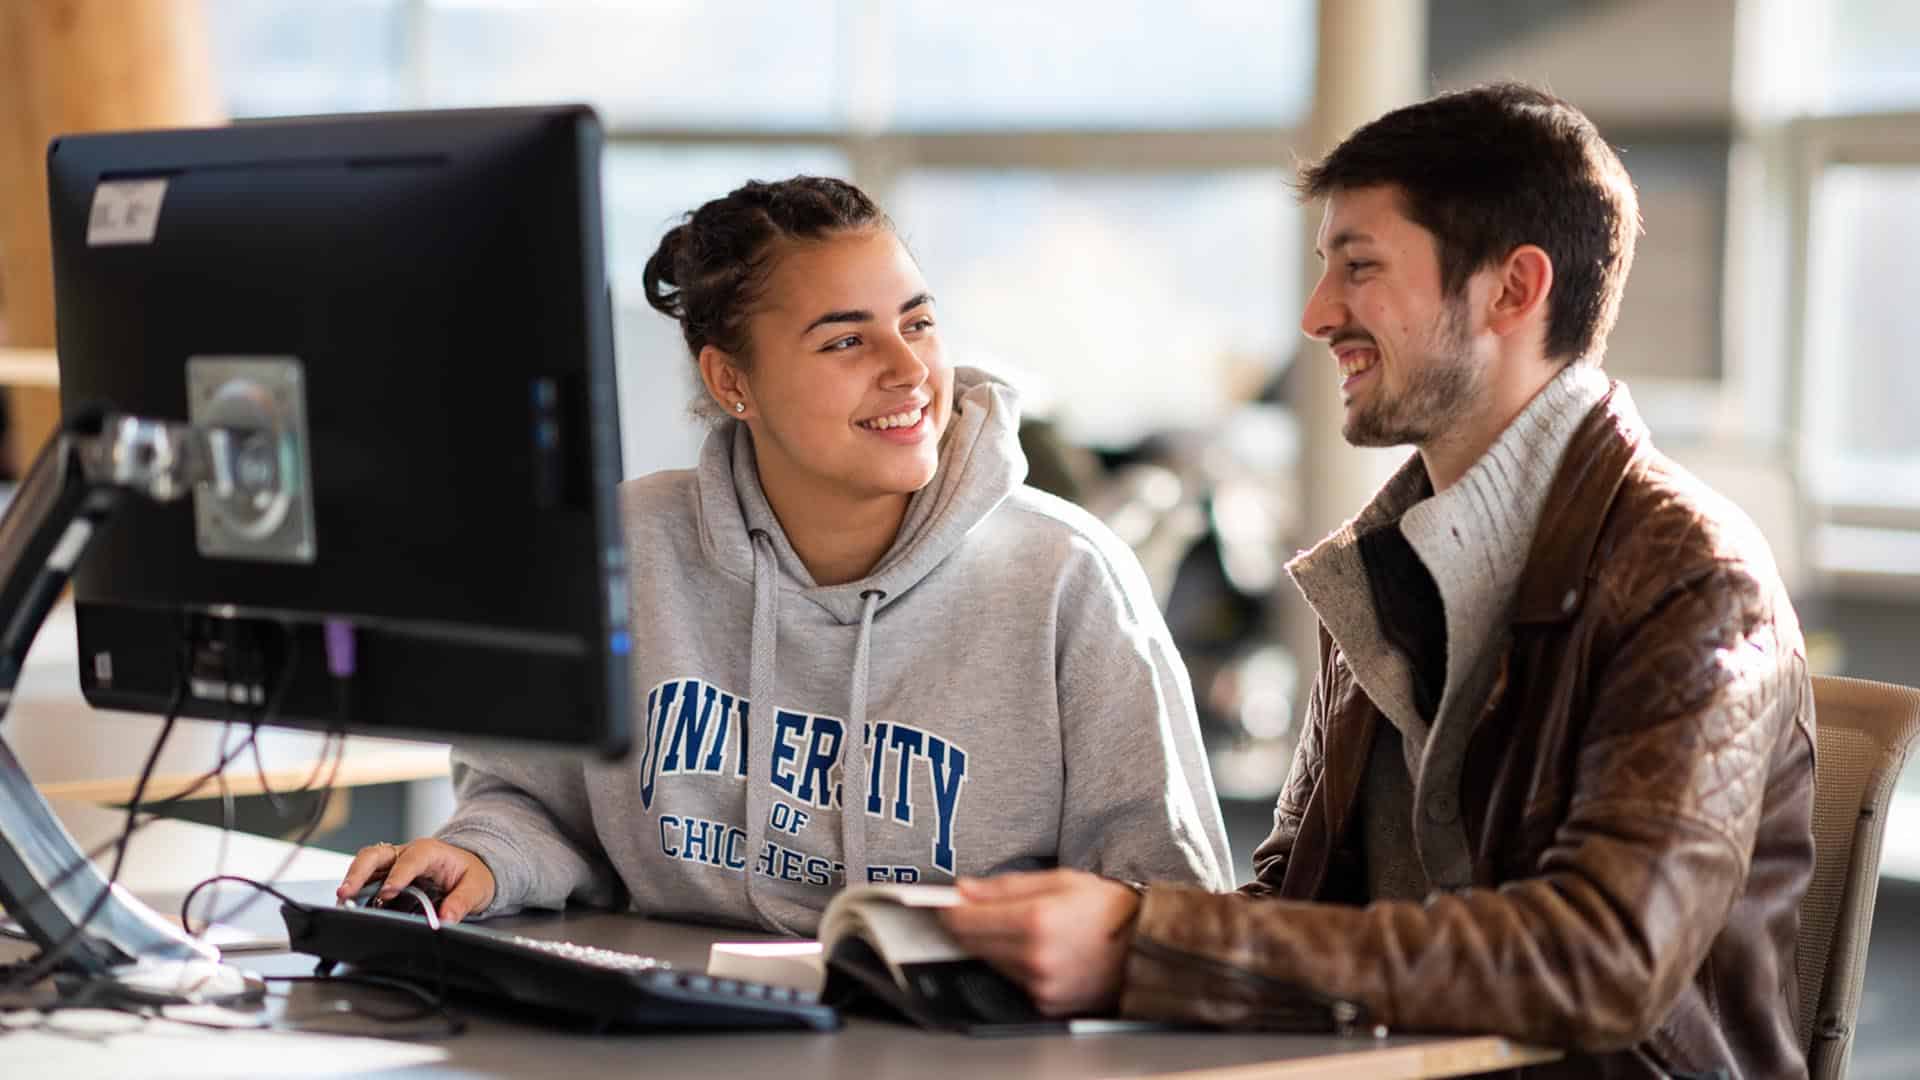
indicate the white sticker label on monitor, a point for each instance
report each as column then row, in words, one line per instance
column 125, row 211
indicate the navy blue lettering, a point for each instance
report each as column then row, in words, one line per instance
column 716, row 751
column 906, row 743
column 948, row 766
column 688, row 726
column 689, row 731
column 696, row 846
column 697, row 840
column 785, row 754
column 822, row 752
column 876, row 744
column 740, row 741
column 778, row 861
column 659, row 704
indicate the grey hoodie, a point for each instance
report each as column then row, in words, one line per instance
column 1000, row 693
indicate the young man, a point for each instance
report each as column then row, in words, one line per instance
column 1557, row 776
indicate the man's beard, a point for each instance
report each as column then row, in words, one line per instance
column 1443, row 389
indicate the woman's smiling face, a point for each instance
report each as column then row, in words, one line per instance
column 848, row 391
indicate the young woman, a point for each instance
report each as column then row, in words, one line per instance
column 863, row 650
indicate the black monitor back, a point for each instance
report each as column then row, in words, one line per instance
column 439, row 281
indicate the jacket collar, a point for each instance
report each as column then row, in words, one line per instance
column 1553, row 585
column 1478, row 562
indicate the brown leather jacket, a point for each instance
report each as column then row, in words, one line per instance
column 1638, row 795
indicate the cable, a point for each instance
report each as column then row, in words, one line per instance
column 191, row 789
column 186, row 902
column 291, row 664
column 87, row 996
column 340, row 664
column 226, row 822
column 431, row 1003
column 152, row 816
column 51, row 957
column 299, row 843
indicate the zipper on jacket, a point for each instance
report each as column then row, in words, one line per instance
column 1298, row 1008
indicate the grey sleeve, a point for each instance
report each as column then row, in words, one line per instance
column 1139, row 801
column 528, row 818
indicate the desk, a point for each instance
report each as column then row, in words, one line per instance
column 497, row 1045
column 73, row 751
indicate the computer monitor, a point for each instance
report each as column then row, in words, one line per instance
column 362, row 367
column 433, row 285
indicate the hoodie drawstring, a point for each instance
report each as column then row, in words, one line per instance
column 853, row 757
column 760, row 725
column 760, row 728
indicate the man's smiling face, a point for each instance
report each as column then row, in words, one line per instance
column 1407, row 367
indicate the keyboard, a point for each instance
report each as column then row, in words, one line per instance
column 557, row 978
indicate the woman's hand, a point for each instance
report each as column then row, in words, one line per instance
column 460, row 875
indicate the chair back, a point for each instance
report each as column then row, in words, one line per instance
column 1865, row 730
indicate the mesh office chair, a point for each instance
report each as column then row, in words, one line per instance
column 1865, row 732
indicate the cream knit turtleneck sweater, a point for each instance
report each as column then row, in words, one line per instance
column 1473, row 539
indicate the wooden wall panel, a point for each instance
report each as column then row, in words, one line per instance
column 69, row 66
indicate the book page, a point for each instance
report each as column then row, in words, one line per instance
column 799, row 965
column 899, row 922
column 917, row 896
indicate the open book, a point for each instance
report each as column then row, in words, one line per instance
column 883, row 945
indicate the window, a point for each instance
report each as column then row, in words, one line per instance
column 1139, row 301
column 669, row 64
column 1096, row 199
column 646, row 188
column 1090, row 63
column 288, row 59
column 1828, row 244
column 1862, row 378
column 1873, row 56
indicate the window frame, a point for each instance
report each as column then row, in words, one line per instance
column 1882, row 535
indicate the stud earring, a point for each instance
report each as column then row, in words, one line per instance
column 739, row 406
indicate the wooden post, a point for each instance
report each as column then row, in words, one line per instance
column 69, row 66
column 1372, row 56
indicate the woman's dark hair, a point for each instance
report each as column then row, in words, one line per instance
column 1489, row 169
column 711, row 270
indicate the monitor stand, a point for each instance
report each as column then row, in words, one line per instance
column 47, row 883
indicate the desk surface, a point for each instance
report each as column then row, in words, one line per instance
column 73, row 751
column 167, row 860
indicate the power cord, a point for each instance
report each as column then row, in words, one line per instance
column 432, row 1003
column 50, row 958
column 187, row 792
column 228, row 757
column 333, row 749
column 337, row 739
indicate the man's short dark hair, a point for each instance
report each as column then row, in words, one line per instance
column 1489, row 169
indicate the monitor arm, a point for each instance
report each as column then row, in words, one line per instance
column 47, row 883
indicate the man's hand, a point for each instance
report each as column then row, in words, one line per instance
column 460, row 874
column 1061, row 934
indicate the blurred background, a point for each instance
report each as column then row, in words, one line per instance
column 1098, row 193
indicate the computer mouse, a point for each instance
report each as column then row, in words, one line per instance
column 407, row 901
